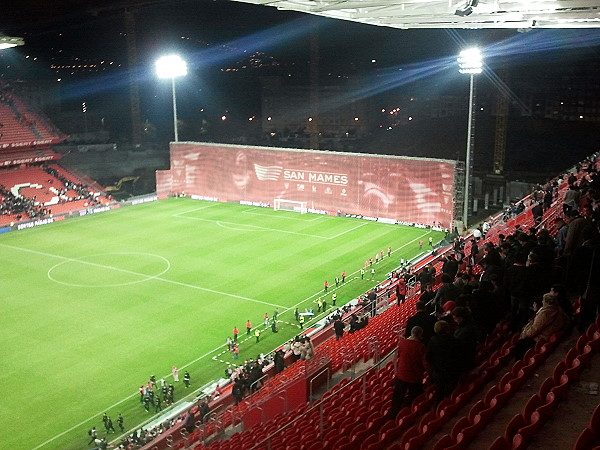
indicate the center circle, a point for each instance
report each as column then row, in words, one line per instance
column 113, row 263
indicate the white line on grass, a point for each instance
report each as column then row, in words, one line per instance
column 83, row 422
column 179, row 214
column 322, row 294
column 348, row 231
column 182, row 367
column 248, row 227
column 130, row 272
column 252, row 211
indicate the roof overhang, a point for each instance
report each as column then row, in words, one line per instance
column 470, row 14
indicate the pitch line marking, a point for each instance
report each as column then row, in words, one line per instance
column 182, row 367
column 130, row 272
column 253, row 212
column 147, row 277
column 348, row 231
column 179, row 214
column 232, row 226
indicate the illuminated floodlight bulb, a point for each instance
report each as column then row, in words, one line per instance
column 470, row 61
column 171, row 66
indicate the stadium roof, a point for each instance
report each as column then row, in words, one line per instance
column 473, row 14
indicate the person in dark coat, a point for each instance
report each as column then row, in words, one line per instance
column 466, row 335
column 279, row 361
column 423, row 320
column 338, row 327
column 450, row 266
column 442, row 355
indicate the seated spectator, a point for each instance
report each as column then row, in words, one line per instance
column 410, row 369
column 548, row 320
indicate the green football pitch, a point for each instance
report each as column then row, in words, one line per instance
column 92, row 306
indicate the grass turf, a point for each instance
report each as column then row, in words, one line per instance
column 92, row 306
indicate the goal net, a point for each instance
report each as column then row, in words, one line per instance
column 280, row 204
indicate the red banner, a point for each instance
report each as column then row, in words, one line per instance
column 415, row 190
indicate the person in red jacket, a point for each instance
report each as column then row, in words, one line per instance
column 248, row 328
column 235, row 334
column 410, row 369
column 401, row 291
column 325, row 285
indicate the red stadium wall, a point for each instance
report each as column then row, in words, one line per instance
column 414, row 190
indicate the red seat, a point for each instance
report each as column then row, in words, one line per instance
column 444, row 443
column 581, row 342
column 490, row 394
column 503, row 397
column 513, row 426
column 468, row 433
column 488, row 413
column 475, row 409
column 409, row 434
column 575, row 370
column 528, row 431
column 531, row 405
column 500, row 444
column 463, row 422
column 559, row 370
column 586, row 440
column 570, row 356
column 595, row 421
column 427, row 418
column 546, row 410
column 373, row 439
column 560, row 390
column 595, row 341
column 545, row 387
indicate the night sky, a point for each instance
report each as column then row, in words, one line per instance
column 215, row 35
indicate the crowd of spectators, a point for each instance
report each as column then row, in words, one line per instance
column 529, row 278
column 248, row 378
column 80, row 189
column 25, row 208
column 22, row 207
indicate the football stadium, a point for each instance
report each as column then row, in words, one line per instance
column 266, row 297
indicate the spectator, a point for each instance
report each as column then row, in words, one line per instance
column 423, row 320
column 516, row 282
column 548, row 320
column 450, row 266
column 442, row 355
column 408, row 383
column 466, row 335
column 447, row 291
column 338, row 327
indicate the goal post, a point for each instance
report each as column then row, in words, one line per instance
column 280, row 204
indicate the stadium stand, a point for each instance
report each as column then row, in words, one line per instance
column 341, row 398
column 492, row 406
column 30, row 187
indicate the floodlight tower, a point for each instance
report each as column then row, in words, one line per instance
column 469, row 61
column 172, row 66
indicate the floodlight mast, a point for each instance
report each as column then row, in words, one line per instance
column 470, row 62
column 172, row 66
